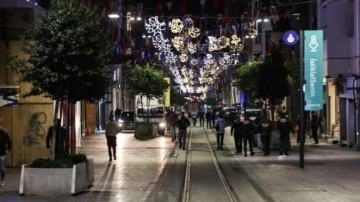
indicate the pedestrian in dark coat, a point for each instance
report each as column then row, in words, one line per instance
column 208, row 117
column 201, row 116
column 314, row 127
column 285, row 128
column 248, row 131
column 265, row 128
column 236, row 131
column 5, row 148
column 183, row 123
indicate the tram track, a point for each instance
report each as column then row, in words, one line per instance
column 209, row 154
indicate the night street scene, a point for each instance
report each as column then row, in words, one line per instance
column 179, row 100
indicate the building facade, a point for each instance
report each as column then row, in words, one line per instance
column 340, row 22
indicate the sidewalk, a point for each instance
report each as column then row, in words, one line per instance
column 330, row 174
column 132, row 177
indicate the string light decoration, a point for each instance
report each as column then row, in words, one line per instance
column 176, row 25
column 193, row 63
column 154, row 26
column 235, row 44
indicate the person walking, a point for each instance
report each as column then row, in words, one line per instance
column 201, row 116
column 111, row 130
column 248, row 131
column 284, row 128
column 213, row 117
column 117, row 114
column 314, row 127
column 236, row 131
column 183, row 123
column 173, row 120
column 208, row 119
column 167, row 120
column 194, row 118
column 5, row 148
column 265, row 128
column 220, row 131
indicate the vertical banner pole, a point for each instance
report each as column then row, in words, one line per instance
column 302, row 82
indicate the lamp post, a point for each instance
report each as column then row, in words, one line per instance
column 262, row 32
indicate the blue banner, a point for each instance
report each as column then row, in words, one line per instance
column 313, row 69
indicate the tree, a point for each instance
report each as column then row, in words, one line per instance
column 146, row 81
column 247, row 77
column 273, row 80
column 69, row 56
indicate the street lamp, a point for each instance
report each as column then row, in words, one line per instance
column 261, row 38
column 113, row 15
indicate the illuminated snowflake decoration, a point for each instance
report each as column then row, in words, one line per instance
column 153, row 26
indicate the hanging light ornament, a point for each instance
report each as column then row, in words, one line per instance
column 154, row 26
column 194, row 32
column 183, row 58
column 192, row 47
column 176, row 25
column 194, row 61
column 235, row 44
column 178, row 42
column 188, row 23
column 212, row 41
column 223, row 42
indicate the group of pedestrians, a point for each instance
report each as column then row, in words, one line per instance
column 244, row 131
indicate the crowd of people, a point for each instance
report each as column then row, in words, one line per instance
column 243, row 131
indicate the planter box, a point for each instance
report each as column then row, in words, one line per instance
column 145, row 130
column 274, row 141
column 56, row 181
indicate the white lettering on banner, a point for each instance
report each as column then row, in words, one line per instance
column 312, row 77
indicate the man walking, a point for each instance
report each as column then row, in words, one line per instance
column 220, row 131
column 173, row 120
column 265, row 129
column 208, row 117
column 284, row 128
column 314, row 127
column 201, row 118
column 236, row 131
column 248, row 130
column 111, row 130
column 182, row 124
column 5, row 148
